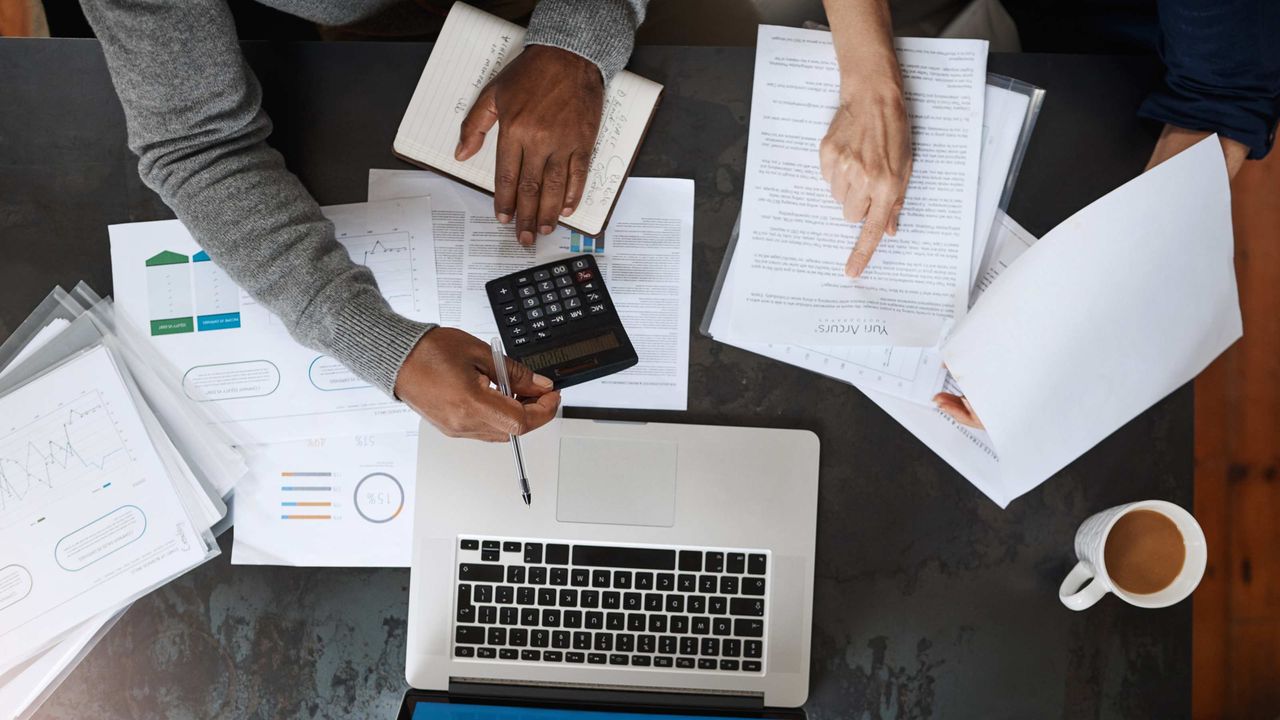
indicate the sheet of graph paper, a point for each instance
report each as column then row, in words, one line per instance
column 235, row 354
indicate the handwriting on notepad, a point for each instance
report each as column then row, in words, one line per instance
column 608, row 167
column 495, row 59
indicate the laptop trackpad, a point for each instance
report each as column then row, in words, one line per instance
column 617, row 482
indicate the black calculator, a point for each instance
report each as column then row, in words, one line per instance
column 559, row 320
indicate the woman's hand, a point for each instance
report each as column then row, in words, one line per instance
column 866, row 159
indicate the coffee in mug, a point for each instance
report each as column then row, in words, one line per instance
column 1150, row 554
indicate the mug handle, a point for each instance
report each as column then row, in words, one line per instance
column 1075, row 597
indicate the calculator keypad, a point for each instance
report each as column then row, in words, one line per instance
column 536, row 306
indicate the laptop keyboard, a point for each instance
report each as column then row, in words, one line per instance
column 660, row 607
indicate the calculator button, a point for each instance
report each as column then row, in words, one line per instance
column 596, row 308
column 527, row 291
column 568, row 292
column 542, row 334
column 581, row 264
column 534, row 313
column 589, row 286
column 517, row 342
column 584, row 276
column 501, row 291
column 517, row 331
column 513, row 319
column 573, row 303
column 539, row 324
column 576, row 314
column 546, row 285
column 549, row 297
column 508, row 308
column 593, row 297
column 524, row 279
column 529, row 302
column 540, row 275
column 559, row 269
column 553, row 307
column 556, row 319
column 564, row 281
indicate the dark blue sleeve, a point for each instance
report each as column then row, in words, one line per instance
column 1222, row 61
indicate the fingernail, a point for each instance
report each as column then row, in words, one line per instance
column 526, row 237
column 566, row 210
column 504, row 218
column 545, row 230
column 457, row 153
column 542, row 381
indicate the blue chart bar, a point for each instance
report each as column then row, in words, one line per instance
column 306, row 488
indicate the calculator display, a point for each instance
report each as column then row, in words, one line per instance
column 572, row 351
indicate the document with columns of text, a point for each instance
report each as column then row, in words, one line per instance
column 789, row 265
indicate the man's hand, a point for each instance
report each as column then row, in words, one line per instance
column 446, row 380
column 547, row 103
column 866, row 158
column 1174, row 140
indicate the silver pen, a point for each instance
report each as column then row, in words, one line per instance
column 504, row 387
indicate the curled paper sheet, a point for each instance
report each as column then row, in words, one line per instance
column 1109, row 312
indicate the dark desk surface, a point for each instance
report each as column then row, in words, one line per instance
column 931, row 601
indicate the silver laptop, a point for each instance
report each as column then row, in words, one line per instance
column 669, row 560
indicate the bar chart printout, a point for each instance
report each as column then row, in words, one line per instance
column 328, row 502
column 169, row 293
column 217, row 296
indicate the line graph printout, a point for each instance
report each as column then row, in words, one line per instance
column 332, row 502
column 264, row 381
column 90, row 520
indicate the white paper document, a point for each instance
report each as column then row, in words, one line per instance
column 646, row 256
column 237, row 355
column 794, row 241
column 969, row 451
column 89, row 519
column 1004, row 112
column 328, row 502
column 1115, row 308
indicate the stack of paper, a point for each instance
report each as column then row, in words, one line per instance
column 782, row 293
column 110, row 485
column 333, row 460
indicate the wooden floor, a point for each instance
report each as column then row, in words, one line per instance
column 1236, row 636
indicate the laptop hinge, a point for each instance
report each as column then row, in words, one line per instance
column 606, row 695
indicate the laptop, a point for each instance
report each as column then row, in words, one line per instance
column 661, row 568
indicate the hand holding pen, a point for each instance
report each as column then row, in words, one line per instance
column 448, row 379
column 504, row 387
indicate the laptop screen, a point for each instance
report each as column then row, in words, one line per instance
column 443, row 711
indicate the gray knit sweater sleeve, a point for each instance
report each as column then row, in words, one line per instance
column 194, row 116
column 602, row 31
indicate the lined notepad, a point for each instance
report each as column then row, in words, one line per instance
column 473, row 48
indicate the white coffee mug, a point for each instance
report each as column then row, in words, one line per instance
column 1091, row 538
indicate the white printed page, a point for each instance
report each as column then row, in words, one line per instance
column 473, row 48
column 646, row 257
column 89, row 520
column 794, row 242
column 328, row 502
column 238, row 356
column 1004, row 112
column 1113, row 309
